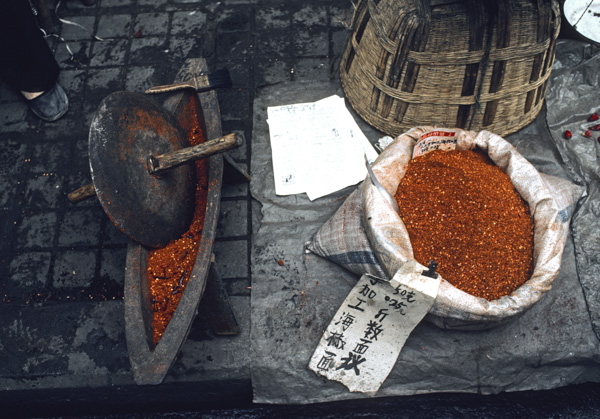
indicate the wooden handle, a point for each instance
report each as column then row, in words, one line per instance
column 82, row 193
column 161, row 163
column 170, row 87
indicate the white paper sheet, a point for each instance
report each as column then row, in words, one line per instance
column 317, row 148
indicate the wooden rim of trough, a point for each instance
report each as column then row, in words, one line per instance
column 150, row 363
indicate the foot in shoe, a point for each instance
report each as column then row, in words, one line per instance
column 49, row 105
column 31, row 95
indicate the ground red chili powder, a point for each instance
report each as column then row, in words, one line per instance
column 462, row 211
column 170, row 268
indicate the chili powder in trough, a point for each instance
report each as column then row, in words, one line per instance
column 463, row 211
column 170, row 267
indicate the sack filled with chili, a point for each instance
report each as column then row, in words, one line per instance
column 366, row 235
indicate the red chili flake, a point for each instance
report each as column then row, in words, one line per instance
column 280, row 262
column 138, row 34
column 588, row 134
column 595, row 127
column 594, row 117
column 170, row 267
column 568, row 134
column 472, row 222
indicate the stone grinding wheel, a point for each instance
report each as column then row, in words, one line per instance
column 126, row 129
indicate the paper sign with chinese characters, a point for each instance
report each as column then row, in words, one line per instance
column 362, row 343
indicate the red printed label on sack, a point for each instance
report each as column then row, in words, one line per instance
column 440, row 139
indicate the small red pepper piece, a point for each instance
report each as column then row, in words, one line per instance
column 568, row 134
column 588, row 134
column 594, row 117
column 138, row 34
column 595, row 127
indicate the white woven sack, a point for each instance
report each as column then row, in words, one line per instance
column 367, row 236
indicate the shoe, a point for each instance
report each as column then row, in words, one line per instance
column 50, row 105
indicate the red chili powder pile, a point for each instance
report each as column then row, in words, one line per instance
column 462, row 211
column 170, row 267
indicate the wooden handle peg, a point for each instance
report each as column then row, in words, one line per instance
column 82, row 193
column 163, row 162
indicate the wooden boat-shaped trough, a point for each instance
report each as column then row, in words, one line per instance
column 150, row 363
column 151, row 196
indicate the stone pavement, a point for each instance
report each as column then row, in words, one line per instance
column 62, row 264
column 62, row 339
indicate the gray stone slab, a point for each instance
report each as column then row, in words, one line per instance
column 76, row 345
column 44, row 191
column 37, row 230
column 238, row 287
column 233, row 219
column 112, row 264
column 273, row 70
column 46, row 157
column 551, row 345
column 231, row 257
column 74, row 269
column 310, row 16
column 141, row 78
column 7, row 191
column 12, row 153
column 182, row 47
column 316, row 69
column 236, row 105
column 233, row 17
column 192, row 21
column 189, row 1
column 233, row 45
column 82, row 345
column 80, row 227
column 104, row 81
column 110, row 52
column 75, row 57
column 206, row 357
column 116, row 3
column 81, row 31
column 30, row 269
column 234, row 190
column 114, row 26
column 12, row 117
column 155, row 3
column 339, row 39
column 272, row 17
column 151, row 24
column 273, row 44
column 72, row 125
column 312, row 42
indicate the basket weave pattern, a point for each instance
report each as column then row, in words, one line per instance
column 471, row 64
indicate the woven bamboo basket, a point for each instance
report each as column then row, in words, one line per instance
column 470, row 64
